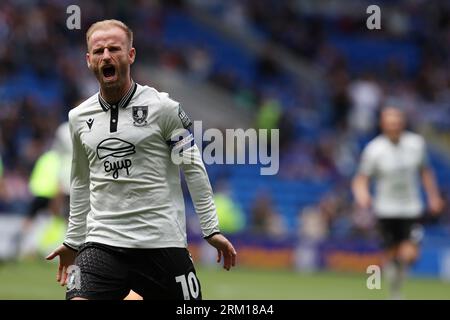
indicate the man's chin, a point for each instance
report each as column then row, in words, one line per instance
column 115, row 83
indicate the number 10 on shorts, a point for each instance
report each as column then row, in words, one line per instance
column 189, row 285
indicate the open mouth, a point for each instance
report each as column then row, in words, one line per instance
column 109, row 71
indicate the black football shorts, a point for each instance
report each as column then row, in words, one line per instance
column 102, row 272
column 396, row 230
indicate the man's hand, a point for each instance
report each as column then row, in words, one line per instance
column 360, row 188
column 435, row 202
column 66, row 259
column 225, row 249
column 435, row 205
column 364, row 201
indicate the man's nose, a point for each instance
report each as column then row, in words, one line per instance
column 106, row 54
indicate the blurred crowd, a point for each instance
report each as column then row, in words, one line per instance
column 43, row 75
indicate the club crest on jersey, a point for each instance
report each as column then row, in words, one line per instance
column 140, row 115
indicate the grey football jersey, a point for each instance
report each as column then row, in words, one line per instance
column 125, row 188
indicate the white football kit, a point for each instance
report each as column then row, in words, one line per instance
column 396, row 170
column 125, row 189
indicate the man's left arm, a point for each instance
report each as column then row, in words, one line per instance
column 435, row 202
column 184, row 152
column 202, row 197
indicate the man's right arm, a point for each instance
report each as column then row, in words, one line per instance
column 360, row 188
column 361, row 182
column 79, row 189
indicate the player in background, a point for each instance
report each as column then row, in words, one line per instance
column 127, row 221
column 63, row 146
column 49, row 185
column 397, row 162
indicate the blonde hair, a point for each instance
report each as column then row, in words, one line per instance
column 105, row 24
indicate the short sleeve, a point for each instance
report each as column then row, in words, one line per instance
column 367, row 164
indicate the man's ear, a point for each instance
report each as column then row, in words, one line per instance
column 87, row 61
column 131, row 55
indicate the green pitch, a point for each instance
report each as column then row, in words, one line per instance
column 36, row 280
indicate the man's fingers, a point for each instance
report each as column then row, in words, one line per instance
column 63, row 276
column 225, row 248
column 58, row 273
column 233, row 254
column 219, row 255
column 226, row 264
column 51, row 255
column 233, row 257
column 229, row 258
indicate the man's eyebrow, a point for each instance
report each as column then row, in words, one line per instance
column 97, row 48
column 111, row 45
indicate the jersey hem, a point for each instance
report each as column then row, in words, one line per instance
column 137, row 245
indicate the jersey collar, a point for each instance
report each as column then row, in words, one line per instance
column 123, row 102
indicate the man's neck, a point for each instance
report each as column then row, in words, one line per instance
column 395, row 139
column 113, row 95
